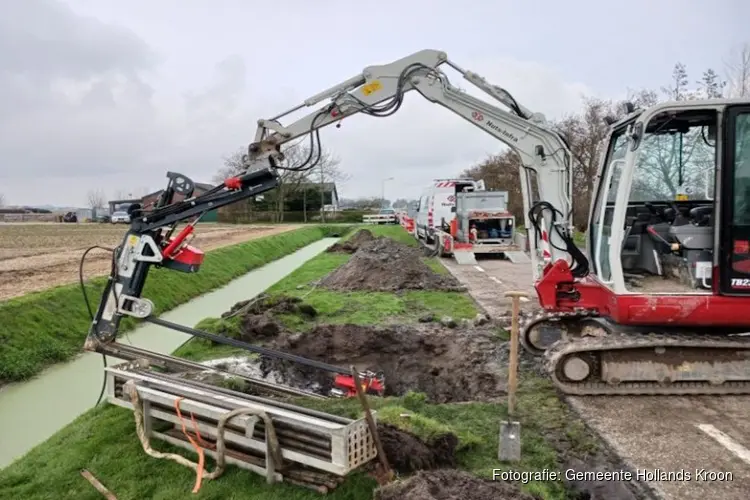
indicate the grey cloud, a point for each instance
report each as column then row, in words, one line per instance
column 46, row 39
column 85, row 104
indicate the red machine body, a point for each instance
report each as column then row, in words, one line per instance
column 558, row 290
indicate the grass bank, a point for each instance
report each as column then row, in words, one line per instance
column 48, row 327
column 104, row 441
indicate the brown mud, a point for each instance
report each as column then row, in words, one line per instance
column 386, row 265
column 450, row 484
column 449, row 365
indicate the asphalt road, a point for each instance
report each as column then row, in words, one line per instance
column 684, row 448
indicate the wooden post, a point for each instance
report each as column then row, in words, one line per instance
column 513, row 365
column 387, row 472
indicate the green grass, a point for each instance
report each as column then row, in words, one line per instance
column 104, row 441
column 49, row 327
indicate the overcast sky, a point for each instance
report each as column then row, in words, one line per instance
column 111, row 94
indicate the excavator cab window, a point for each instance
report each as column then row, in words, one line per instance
column 601, row 224
column 668, row 245
column 735, row 200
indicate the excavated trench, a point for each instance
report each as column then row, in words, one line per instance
column 448, row 365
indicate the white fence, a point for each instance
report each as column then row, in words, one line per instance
column 379, row 219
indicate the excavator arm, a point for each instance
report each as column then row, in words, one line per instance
column 546, row 181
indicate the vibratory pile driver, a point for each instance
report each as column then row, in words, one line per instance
column 154, row 239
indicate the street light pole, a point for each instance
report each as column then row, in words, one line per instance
column 382, row 191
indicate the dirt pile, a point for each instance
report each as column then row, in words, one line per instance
column 352, row 244
column 257, row 315
column 407, row 453
column 447, row 365
column 450, row 484
column 385, row 265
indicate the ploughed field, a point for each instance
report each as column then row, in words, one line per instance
column 35, row 257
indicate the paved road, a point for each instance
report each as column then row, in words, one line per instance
column 707, row 437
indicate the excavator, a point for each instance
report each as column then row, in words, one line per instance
column 653, row 306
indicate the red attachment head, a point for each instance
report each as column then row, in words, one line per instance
column 372, row 383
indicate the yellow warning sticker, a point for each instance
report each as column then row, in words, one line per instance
column 371, row 87
column 681, row 197
column 132, row 240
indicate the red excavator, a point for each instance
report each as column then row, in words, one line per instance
column 656, row 307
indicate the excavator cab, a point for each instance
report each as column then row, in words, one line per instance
column 672, row 211
column 663, row 309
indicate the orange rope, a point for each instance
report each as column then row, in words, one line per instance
column 198, row 449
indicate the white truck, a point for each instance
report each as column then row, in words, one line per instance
column 437, row 205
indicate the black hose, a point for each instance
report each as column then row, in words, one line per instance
column 90, row 310
column 580, row 266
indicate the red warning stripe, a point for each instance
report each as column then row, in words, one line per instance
column 445, row 184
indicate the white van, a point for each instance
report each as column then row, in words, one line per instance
column 437, row 205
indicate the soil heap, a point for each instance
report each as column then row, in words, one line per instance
column 386, row 265
column 406, row 453
column 257, row 319
column 352, row 244
column 450, row 484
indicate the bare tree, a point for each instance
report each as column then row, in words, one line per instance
column 298, row 169
column 737, row 71
column 234, row 164
column 96, row 200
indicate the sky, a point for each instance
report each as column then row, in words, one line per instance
column 110, row 95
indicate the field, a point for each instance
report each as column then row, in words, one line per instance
column 35, row 257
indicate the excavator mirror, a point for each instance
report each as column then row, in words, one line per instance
column 628, row 107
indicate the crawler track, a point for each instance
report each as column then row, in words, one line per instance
column 585, row 355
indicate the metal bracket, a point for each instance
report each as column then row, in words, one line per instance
column 141, row 308
column 148, row 241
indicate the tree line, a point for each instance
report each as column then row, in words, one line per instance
column 586, row 134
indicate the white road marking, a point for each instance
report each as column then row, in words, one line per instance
column 727, row 442
column 479, row 269
column 496, row 280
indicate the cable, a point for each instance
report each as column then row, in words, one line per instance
column 88, row 304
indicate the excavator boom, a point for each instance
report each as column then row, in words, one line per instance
column 379, row 91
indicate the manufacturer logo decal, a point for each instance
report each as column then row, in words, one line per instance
column 477, row 116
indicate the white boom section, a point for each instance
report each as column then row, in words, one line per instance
column 543, row 153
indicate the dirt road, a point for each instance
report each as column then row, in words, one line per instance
column 707, row 437
column 37, row 257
